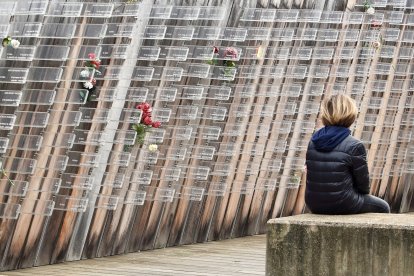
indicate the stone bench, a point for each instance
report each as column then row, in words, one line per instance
column 318, row 245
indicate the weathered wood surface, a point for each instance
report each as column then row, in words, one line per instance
column 241, row 256
column 246, row 202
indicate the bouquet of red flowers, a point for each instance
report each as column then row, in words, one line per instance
column 227, row 54
column 93, row 61
column 91, row 68
column 146, row 122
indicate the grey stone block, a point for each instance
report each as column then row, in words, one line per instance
column 318, row 245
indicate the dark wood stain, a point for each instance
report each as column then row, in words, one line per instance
column 35, row 240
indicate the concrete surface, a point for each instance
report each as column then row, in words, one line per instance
column 317, row 245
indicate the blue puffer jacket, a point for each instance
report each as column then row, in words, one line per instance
column 337, row 172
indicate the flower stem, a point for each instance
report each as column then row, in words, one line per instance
column 4, row 173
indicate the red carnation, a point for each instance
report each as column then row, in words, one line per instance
column 376, row 24
column 146, row 107
column 156, row 124
column 145, row 115
column 216, row 50
column 95, row 64
column 147, row 120
column 230, row 52
column 91, row 55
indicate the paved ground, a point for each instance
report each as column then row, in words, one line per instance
column 242, row 256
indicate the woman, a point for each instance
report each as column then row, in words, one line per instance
column 337, row 172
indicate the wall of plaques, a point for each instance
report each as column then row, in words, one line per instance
column 236, row 87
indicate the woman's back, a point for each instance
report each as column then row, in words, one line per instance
column 337, row 172
column 330, row 186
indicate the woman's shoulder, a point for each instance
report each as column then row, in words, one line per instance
column 352, row 140
column 350, row 143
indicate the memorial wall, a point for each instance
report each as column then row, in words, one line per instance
column 135, row 125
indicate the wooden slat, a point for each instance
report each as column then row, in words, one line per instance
column 38, row 240
column 242, row 256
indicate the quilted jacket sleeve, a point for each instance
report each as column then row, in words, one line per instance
column 360, row 169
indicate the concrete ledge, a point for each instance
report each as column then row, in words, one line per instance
column 317, row 245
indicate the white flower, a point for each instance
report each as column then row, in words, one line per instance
column 153, row 148
column 370, row 10
column 260, row 52
column 88, row 85
column 376, row 44
column 14, row 43
column 85, row 73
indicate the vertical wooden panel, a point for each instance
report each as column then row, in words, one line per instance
column 237, row 200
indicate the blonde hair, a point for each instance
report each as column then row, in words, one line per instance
column 339, row 110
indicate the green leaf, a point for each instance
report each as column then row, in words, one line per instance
column 212, row 62
column 139, row 128
column 91, row 97
column 231, row 64
column 82, row 95
column 6, row 41
column 127, row 148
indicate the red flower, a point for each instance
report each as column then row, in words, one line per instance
column 376, row 24
column 91, row 55
column 146, row 107
column 230, row 52
column 147, row 120
column 93, row 81
column 95, row 64
column 156, row 124
column 216, row 50
column 145, row 115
